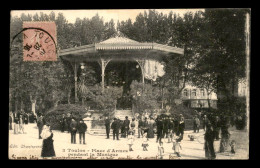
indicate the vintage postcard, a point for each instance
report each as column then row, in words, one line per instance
column 135, row 84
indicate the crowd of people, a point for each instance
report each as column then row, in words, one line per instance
column 69, row 123
column 73, row 125
column 18, row 120
column 145, row 127
column 170, row 128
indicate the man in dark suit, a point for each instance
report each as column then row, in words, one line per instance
column 159, row 124
column 166, row 122
column 145, row 125
column 176, row 124
column 216, row 127
column 140, row 126
column 82, row 128
column 40, row 123
column 62, row 122
column 107, row 124
column 126, row 126
column 115, row 127
column 196, row 124
column 68, row 120
column 73, row 130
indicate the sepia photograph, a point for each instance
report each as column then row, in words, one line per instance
column 129, row 84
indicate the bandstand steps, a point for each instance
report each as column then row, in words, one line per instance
column 121, row 114
column 118, row 114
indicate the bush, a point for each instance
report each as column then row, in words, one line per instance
column 145, row 97
column 187, row 113
column 104, row 101
column 54, row 115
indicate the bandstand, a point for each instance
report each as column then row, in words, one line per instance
column 116, row 48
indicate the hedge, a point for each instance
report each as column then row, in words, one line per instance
column 54, row 115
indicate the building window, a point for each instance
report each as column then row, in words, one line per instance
column 202, row 92
column 194, row 92
column 185, row 92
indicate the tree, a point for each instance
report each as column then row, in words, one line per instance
column 223, row 42
column 144, row 97
column 107, row 100
column 34, row 81
column 173, row 30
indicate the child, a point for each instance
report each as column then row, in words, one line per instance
column 130, row 140
column 232, row 145
column 176, row 145
column 145, row 142
column 160, row 149
column 170, row 136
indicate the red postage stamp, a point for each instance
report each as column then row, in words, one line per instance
column 39, row 41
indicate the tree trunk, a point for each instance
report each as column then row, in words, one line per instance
column 208, row 100
column 69, row 97
column 22, row 106
column 34, row 107
column 16, row 104
column 10, row 101
column 162, row 97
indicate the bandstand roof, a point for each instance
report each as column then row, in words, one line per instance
column 119, row 45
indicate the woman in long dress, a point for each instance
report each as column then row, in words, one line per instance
column 225, row 135
column 47, row 143
column 209, row 142
column 150, row 133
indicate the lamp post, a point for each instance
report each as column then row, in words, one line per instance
column 82, row 78
column 138, row 95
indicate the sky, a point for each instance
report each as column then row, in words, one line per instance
column 116, row 15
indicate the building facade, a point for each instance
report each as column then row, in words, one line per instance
column 194, row 97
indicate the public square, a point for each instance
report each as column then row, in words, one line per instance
column 165, row 72
column 28, row 146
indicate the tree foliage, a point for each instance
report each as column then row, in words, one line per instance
column 214, row 56
column 145, row 96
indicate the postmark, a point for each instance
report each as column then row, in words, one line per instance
column 39, row 41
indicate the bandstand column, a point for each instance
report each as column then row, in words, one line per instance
column 141, row 62
column 75, row 67
column 103, row 63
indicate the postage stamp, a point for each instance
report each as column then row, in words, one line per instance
column 39, row 41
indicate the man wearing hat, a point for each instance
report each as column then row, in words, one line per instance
column 126, row 126
column 196, row 124
column 40, row 124
column 73, row 130
column 140, row 126
column 82, row 128
column 209, row 141
column 166, row 122
column 181, row 126
column 145, row 125
column 159, row 124
column 107, row 124
column 115, row 127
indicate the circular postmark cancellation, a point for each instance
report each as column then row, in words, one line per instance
column 39, row 41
